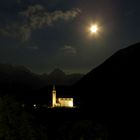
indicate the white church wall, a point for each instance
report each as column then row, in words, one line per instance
column 66, row 102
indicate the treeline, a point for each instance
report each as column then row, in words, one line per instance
column 17, row 123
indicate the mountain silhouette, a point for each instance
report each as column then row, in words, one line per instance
column 116, row 78
column 58, row 77
column 111, row 92
column 14, row 78
column 19, row 78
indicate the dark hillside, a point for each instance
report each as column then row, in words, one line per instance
column 111, row 92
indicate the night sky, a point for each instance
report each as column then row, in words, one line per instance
column 48, row 34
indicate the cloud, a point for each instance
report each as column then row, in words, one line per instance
column 68, row 15
column 18, row 31
column 25, row 32
column 35, row 17
column 69, row 49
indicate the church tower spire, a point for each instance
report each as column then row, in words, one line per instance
column 53, row 87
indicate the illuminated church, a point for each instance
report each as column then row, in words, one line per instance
column 60, row 102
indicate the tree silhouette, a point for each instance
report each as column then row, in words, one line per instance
column 16, row 123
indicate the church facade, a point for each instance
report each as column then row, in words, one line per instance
column 60, row 102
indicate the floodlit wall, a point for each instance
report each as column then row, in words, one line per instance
column 66, row 102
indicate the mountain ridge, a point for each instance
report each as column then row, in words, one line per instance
column 110, row 93
column 112, row 80
column 15, row 77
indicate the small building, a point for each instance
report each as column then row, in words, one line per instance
column 60, row 102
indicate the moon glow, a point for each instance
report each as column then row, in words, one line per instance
column 93, row 29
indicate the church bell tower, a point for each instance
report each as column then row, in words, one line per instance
column 53, row 96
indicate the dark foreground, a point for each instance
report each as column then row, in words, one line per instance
column 29, row 123
column 41, row 123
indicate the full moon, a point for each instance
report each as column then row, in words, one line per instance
column 93, row 29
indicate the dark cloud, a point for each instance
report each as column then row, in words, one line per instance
column 36, row 17
column 17, row 31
